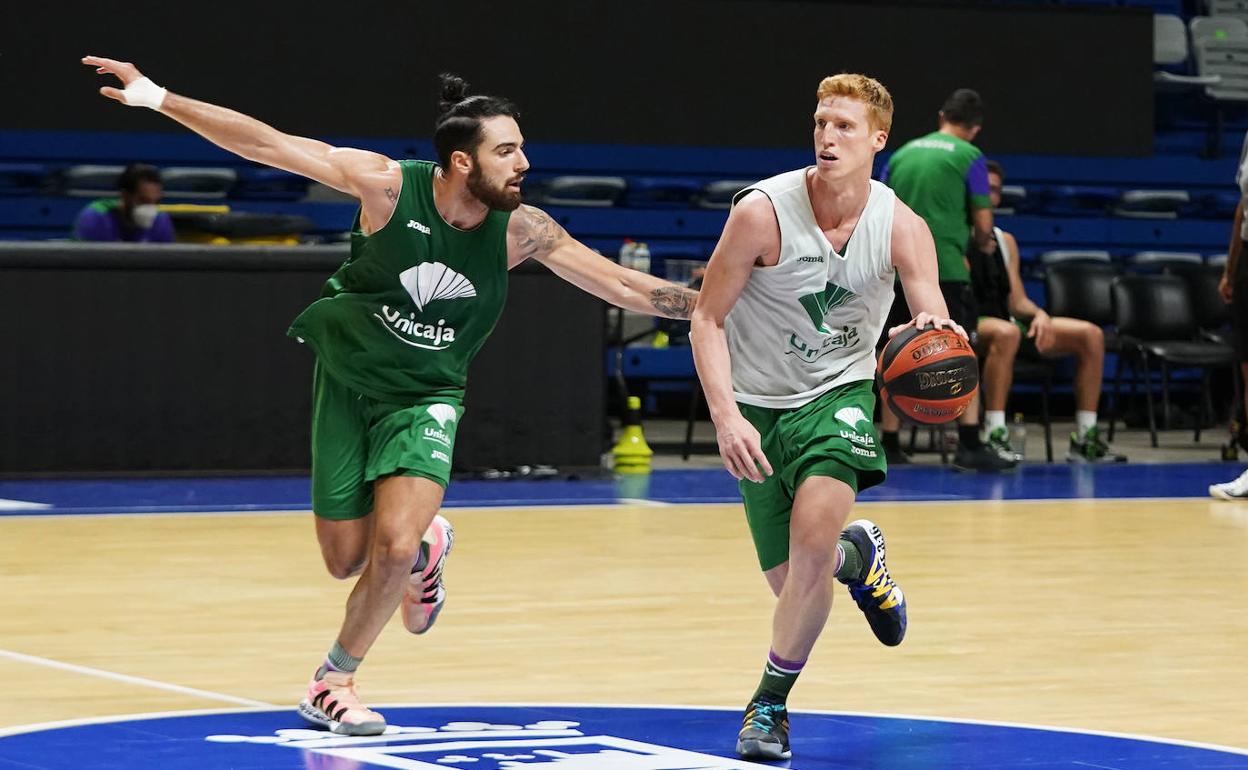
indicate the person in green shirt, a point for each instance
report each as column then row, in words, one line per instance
column 393, row 332
column 942, row 177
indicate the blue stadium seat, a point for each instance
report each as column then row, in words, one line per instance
column 1077, row 200
column 1151, row 204
column 22, row 178
column 197, row 182
column 662, row 192
column 719, row 194
column 591, row 191
column 269, row 184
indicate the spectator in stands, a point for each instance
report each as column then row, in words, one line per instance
column 942, row 177
column 132, row 216
column 1010, row 323
column 1234, row 288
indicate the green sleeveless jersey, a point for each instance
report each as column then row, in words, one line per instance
column 406, row 313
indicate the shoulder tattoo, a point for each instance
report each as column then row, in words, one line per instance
column 537, row 232
column 391, row 195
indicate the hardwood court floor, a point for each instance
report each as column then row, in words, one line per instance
column 1110, row 615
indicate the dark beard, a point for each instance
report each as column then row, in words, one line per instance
column 494, row 198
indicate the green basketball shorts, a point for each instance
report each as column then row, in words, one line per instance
column 831, row 436
column 357, row 440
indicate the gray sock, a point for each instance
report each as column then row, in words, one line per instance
column 338, row 660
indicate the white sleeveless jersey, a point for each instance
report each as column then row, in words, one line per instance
column 810, row 322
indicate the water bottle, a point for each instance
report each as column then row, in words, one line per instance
column 627, row 251
column 1018, row 435
column 641, row 258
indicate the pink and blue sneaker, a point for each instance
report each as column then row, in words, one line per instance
column 426, row 592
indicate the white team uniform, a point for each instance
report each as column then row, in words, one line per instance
column 810, row 322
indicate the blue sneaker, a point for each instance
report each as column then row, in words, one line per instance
column 874, row 591
column 764, row 731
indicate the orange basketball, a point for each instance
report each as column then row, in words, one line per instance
column 928, row 376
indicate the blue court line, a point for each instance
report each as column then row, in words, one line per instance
column 905, row 484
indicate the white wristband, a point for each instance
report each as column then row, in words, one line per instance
column 144, row 93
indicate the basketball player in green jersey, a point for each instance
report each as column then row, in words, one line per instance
column 794, row 298
column 393, row 332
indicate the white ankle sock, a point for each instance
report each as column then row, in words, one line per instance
column 993, row 420
column 1084, row 421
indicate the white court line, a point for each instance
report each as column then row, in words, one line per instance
column 21, row 505
column 20, row 729
column 141, row 681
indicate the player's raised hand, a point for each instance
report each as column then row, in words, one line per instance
column 139, row 91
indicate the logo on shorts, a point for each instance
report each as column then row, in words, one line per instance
column 443, row 413
column 854, row 417
column 851, row 416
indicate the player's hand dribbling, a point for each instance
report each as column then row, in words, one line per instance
column 740, row 446
column 923, row 319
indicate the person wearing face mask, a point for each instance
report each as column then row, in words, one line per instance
column 133, row 216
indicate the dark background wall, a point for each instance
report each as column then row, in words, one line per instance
column 695, row 72
column 176, row 359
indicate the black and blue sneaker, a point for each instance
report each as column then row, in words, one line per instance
column 874, row 590
column 764, row 731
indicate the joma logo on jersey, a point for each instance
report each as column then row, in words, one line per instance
column 414, row 225
column 816, row 259
column 846, row 337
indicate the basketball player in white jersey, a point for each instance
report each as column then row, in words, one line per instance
column 794, row 298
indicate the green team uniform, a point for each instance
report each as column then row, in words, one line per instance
column 394, row 331
column 942, row 178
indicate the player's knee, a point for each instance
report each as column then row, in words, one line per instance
column 1093, row 339
column 343, row 565
column 395, row 551
column 1009, row 338
column 813, row 557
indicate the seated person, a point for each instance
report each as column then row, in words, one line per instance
column 132, row 216
column 1011, row 323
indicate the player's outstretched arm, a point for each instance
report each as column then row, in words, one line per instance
column 914, row 258
column 361, row 173
column 533, row 234
column 751, row 233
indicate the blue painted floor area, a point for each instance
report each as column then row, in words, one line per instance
column 906, row 483
column 587, row 738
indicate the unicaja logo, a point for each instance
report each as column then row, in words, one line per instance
column 426, row 283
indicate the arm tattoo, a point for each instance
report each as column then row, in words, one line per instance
column 538, row 232
column 673, row 301
column 391, row 194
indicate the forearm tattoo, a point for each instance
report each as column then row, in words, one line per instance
column 673, row 301
column 538, row 233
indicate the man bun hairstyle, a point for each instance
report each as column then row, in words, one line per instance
column 964, row 108
column 458, row 127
